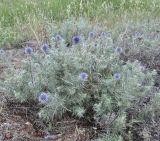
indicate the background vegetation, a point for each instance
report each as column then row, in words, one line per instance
column 18, row 18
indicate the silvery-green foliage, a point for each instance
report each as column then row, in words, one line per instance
column 141, row 42
column 110, row 137
column 140, row 39
column 73, row 27
column 58, row 72
column 152, row 109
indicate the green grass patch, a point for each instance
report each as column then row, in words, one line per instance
column 16, row 14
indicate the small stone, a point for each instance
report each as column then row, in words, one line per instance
column 8, row 135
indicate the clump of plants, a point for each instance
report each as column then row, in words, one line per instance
column 141, row 42
column 144, row 116
column 80, row 73
column 109, row 138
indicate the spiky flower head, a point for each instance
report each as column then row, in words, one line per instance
column 76, row 39
column 96, row 45
column 45, row 48
column 119, row 50
column 28, row 50
column 137, row 35
column 91, row 34
column 2, row 52
column 43, row 98
column 105, row 34
column 117, row 76
column 83, row 76
column 58, row 37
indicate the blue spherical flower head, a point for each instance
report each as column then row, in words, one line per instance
column 137, row 35
column 28, row 50
column 58, row 38
column 95, row 45
column 117, row 76
column 2, row 52
column 119, row 50
column 91, row 34
column 43, row 98
column 83, row 76
column 105, row 34
column 76, row 39
column 45, row 48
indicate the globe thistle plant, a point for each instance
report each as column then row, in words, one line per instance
column 83, row 76
column 118, row 50
column 105, row 34
column 43, row 98
column 2, row 52
column 95, row 45
column 63, row 71
column 91, row 35
column 45, row 48
column 58, row 38
column 28, row 50
column 137, row 35
column 2, row 55
column 76, row 40
column 117, row 76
